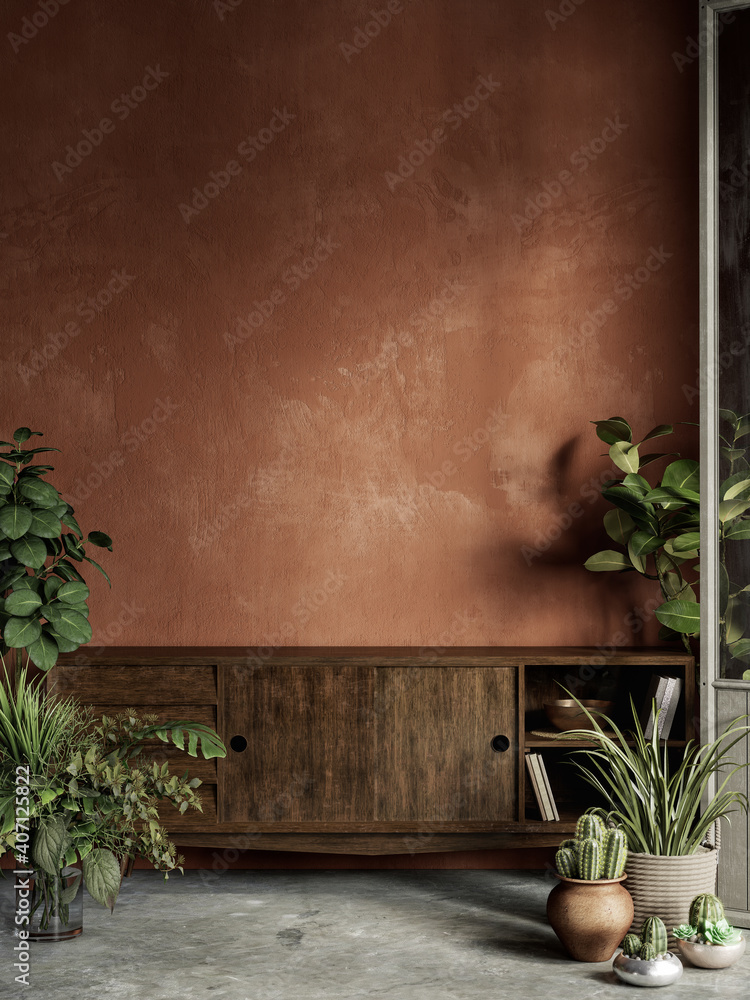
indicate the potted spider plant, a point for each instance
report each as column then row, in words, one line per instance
column 656, row 800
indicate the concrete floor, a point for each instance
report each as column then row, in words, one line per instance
column 308, row 935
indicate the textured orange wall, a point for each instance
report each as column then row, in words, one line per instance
column 325, row 401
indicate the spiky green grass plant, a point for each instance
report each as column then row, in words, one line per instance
column 657, row 803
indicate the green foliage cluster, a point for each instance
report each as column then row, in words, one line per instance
column 658, row 527
column 92, row 796
column 708, row 924
column 657, row 804
column 43, row 595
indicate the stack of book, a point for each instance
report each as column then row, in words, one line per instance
column 665, row 691
column 542, row 790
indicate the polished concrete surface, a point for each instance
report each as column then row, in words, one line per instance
column 305, row 935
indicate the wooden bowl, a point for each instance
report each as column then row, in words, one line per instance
column 566, row 714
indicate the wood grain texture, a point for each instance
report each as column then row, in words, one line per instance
column 370, row 844
column 433, row 732
column 135, row 684
column 310, row 749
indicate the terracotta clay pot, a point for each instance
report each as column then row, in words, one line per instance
column 590, row 917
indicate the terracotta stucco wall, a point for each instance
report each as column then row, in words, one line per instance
column 359, row 283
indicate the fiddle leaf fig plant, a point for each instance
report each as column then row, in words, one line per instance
column 657, row 526
column 43, row 595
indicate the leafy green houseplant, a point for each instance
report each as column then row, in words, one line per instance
column 43, row 595
column 93, row 796
column 657, row 527
column 658, row 803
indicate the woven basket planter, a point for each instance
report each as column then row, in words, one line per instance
column 663, row 886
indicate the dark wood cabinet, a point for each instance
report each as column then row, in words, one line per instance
column 367, row 750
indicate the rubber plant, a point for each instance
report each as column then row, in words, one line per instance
column 43, row 595
column 657, row 526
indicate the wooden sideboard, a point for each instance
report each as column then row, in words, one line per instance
column 370, row 750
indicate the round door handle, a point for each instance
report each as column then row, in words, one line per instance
column 500, row 743
column 238, row 744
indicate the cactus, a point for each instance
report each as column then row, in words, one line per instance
column 566, row 861
column 631, row 945
column 589, row 827
column 572, row 844
column 647, row 952
column 614, row 853
column 705, row 909
column 589, row 859
column 655, row 933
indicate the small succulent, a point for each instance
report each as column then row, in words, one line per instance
column 705, row 909
column 721, row 933
column 684, row 932
column 596, row 851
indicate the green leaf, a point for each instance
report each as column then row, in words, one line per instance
column 743, row 426
column 734, row 620
column 23, row 434
column 7, row 474
column 100, row 539
column 50, row 844
column 101, row 875
column 72, row 625
column 729, row 509
column 15, row 520
column 70, row 891
column 63, row 644
column 670, row 497
column 95, row 563
column 70, row 522
column 682, row 616
column 11, row 578
column 658, row 431
column 638, row 562
column 740, row 650
column 732, row 454
column 639, row 510
column 613, row 430
column 738, row 531
column 21, row 632
column 22, row 603
column 653, row 457
column 40, row 493
column 682, row 475
column 73, row 547
column 606, row 561
column 30, row 551
column 687, row 542
column 625, row 456
column 74, row 592
column 4, row 551
column 30, row 582
column 637, row 483
column 729, row 415
column 43, row 653
column 643, row 542
column 51, row 586
column 619, row 526
column 44, row 524
column 736, row 490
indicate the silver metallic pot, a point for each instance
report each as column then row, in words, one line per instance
column 655, row 972
column 712, row 956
